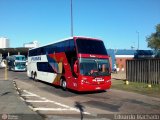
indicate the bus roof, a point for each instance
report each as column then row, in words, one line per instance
column 61, row 40
column 17, row 55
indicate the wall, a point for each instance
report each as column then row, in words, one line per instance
column 121, row 63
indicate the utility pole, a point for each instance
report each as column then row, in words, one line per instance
column 6, row 71
column 138, row 40
column 71, row 19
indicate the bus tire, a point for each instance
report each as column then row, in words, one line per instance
column 63, row 84
column 35, row 76
column 32, row 75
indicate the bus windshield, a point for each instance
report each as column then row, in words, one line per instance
column 20, row 65
column 94, row 67
column 22, row 58
column 87, row 46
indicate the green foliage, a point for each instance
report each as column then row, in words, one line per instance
column 154, row 39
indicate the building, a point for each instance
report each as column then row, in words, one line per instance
column 33, row 44
column 119, row 56
column 123, row 55
column 4, row 42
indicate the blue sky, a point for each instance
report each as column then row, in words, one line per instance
column 113, row 21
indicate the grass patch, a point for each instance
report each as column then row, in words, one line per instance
column 141, row 88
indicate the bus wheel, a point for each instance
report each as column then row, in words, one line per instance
column 32, row 75
column 35, row 76
column 63, row 84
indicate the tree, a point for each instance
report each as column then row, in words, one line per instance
column 154, row 39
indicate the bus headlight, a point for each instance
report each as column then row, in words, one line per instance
column 107, row 81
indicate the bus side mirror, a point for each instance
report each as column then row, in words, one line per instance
column 76, row 67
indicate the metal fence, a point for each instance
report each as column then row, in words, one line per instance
column 144, row 71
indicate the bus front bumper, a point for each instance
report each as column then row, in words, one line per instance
column 94, row 87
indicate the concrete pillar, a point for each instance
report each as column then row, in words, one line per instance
column 19, row 53
column 0, row 57
column 8, row 54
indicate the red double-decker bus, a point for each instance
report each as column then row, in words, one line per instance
column 77, row 63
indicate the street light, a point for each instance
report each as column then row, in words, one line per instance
column 138, row 39
column 71, row 20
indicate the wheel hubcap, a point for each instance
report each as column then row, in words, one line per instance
column 64, row 84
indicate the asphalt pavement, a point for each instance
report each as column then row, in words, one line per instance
column 52, row 103
column 11, row 106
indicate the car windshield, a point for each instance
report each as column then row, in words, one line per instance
column 94, row 67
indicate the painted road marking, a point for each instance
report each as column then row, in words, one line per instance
column 51, row 109
column 37, row 101
column 29, row 93
column 65, row 107
column 22, row 99
column 26, row 95
column 62, row 105
column 59, row 109
column 31, row 108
